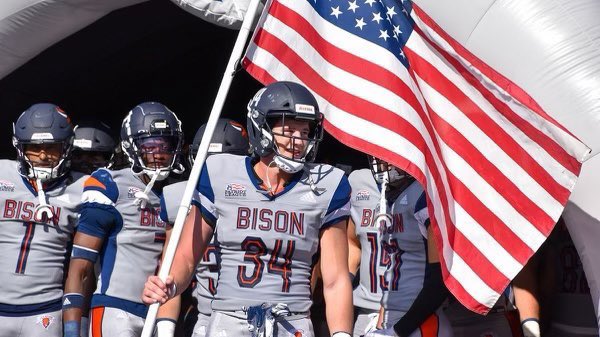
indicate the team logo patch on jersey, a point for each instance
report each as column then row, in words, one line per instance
column 234, row 190
column 132, row 191
column 363, row 195
column 6, row 186
column 45, row 321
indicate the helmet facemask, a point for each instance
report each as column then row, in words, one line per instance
column 299, row 146
column 154, row 154
column 56, row 160
column 382, row 170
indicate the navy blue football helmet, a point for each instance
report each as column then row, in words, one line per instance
column 43, row 124
column 229, row 137
column 149, row 132
column 281, row 101
column 93, row 147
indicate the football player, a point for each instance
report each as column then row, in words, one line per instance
column 39, row 201
column 365, row 250
column 566, row 299
column 120, row 225
column 413, row 290
column 228, row 137
column 269, row 214
column 93, row 147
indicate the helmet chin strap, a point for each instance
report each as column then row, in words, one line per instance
column 287, row 165
column 43, row 209
column 141, row 198
column 383, row 220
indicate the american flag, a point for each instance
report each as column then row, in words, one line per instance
column 496, row 168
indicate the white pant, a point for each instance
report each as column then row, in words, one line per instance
column 234, row 324
column 46, row 325
column 113, row 322
column 201, row 326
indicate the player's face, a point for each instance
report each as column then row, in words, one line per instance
column 291, row 137
column 43, row 155
column 158, row 151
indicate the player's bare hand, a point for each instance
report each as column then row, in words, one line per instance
column 157, row 291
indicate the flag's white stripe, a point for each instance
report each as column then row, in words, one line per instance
column 474, row 285
column 492, row 152
column 549, row 163
column 486, row 244
column 571, row 145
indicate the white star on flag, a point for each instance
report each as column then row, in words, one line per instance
column 369, row 2
column 336, row 12
column 391, row 12
column 360, row 23
column 377, row 17
column 353, row 6
column 384, row 34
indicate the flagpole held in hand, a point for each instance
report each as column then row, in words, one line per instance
column 238, row 48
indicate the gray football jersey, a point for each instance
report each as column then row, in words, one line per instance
column 365, row 201
column 207, row 272
column 133, row 237
column 34, row 250
column 268, row 244
column 406, row 249
column 573, row 302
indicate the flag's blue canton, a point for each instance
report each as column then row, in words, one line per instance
column 386, row 23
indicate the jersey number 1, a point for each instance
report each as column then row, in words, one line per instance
column 255, row 249
column 25, row 246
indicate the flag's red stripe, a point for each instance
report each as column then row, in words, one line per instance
column 544, row 141
column 257, row 72
column 501, row 81
column 446, row 88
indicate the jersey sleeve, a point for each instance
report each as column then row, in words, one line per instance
column 164, row 213
column 98, row 213
column 204, row 197
column 422, row 214
column 339, row 207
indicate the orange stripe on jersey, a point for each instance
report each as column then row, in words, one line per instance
column 97, row 315
column 429, row 328
column 93, row 182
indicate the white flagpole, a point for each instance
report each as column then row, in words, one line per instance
column 238, row 48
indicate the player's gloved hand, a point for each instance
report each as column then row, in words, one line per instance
column 280, row 310
column 373, row 319
column 157, row 291
column 382, row 333
column 531, row 327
